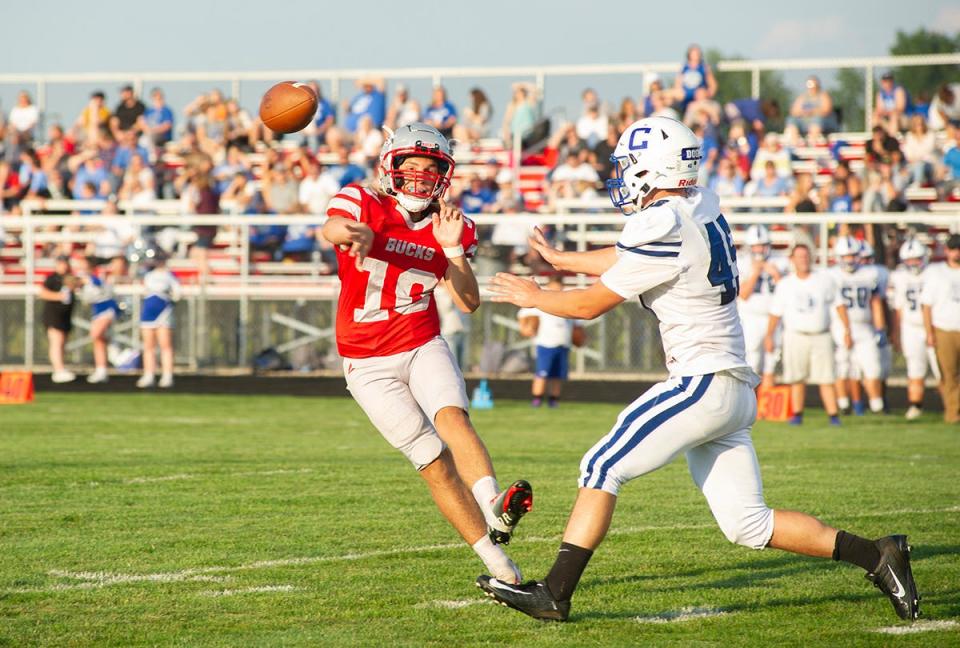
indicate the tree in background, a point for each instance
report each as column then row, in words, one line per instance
column 925, row 78
column 848, row 97
column 736, row 85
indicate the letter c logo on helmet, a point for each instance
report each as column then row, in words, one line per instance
column 653, row 153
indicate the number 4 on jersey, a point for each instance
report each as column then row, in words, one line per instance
column 723, row 260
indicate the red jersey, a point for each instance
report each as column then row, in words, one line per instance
column 387, row 308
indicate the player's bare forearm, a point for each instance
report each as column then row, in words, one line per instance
column 462, row 284
column 593, row 262
column 585, row 303
column 336, row 230
column 879, row 312
column 928, row 321
column 772, row 323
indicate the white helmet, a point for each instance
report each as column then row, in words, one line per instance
column 653, row 153
column 912, row 250
column 415, row 140
column 843, row 247
column 759, row 235
column 866, row 250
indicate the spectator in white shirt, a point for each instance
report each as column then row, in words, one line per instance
column 945, row 107
column 802, row 301
column 592, row 124
column 919, row 150
column 940, row 296
column 23, row 119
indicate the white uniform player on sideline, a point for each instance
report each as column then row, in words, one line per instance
column 676, row 253
column 868, row 257
column 859, row 289
column 759, row 274
column 906, row 283
column 161, row 291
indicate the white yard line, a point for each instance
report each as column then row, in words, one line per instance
column 681, row 615
column 453, row 605
column 247, row 473
column 919, row 626
column 93, row 580
column 251, row 590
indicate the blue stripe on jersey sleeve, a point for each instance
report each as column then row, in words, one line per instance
column 649, row 252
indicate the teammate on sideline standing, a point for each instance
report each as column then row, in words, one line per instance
column 940, row 298
column 396, row 242
column 804, row 302
column 759, row 275
column 859, row 289
column 676, row 252
column 906, row 283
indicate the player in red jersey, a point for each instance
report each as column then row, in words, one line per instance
column 395, row 243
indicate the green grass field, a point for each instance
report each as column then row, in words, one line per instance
column 160, row 519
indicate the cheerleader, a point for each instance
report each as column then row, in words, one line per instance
column 104, row 309
column 161, row 290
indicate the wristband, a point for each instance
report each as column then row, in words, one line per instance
column 453, row 252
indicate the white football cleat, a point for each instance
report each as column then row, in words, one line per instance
column 913, row 413
column 145, row 381
column 64, row 376
column 166, row 381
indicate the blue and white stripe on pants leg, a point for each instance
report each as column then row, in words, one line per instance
column 638, row 421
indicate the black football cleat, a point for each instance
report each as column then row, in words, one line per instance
column 508, row 507
column 893, row 576
column 532, row 598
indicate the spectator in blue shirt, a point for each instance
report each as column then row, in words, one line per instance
column 87, row 168
column 346, row 172
column 441, row 114
column 323, row 121
column 477, row 198
column 370, row 102
column 127, row 149
column 951, row 164
column 770, row 184
column 159, row 119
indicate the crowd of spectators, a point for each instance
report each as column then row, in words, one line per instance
column 214, row 157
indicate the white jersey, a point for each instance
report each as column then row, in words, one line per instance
column 552, row 331
column 905, row 287
column 160, row 282
column 805, row 305
column 758, row 303
column 855, row 290
column 678, row 256
column 96, row 290
column 941, row 292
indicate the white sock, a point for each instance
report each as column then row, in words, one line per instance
column 485, row 490
column 843, row 403
column 876, row 405
column 497, row 561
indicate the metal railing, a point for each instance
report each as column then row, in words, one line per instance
column 229, row 318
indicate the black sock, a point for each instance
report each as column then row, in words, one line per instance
column 567, row 570
column 917, row 404
column 856, row 551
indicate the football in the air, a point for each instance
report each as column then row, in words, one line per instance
column 288, row 107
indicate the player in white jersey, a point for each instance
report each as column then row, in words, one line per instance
column 858, row 288
column 868, row 258
column 759, row 274
column 676, row 253
column 906, row 283
column 161, row 290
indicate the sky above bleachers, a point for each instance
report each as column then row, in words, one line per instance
column 214, row 35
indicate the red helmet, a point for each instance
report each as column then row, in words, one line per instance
column 415, row 140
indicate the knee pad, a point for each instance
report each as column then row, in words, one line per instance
column 417, row 440
column 753, row 529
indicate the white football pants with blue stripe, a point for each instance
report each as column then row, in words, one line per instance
column 708, row 418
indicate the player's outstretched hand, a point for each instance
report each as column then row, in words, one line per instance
column 518, row 291
column 539, row 243
column 361, row 240
column 448, row 225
